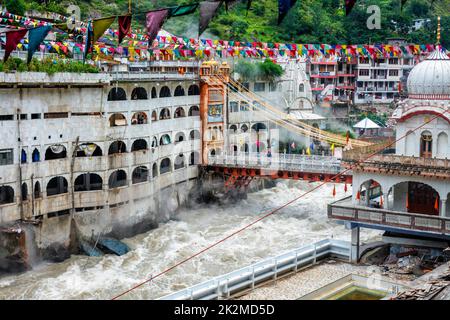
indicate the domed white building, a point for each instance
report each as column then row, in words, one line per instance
column 407, row 192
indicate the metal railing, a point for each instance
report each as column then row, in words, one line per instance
column 278, row 161
column 149, row 75
column 413, row 221
column 269, row 269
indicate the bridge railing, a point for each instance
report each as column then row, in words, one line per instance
column 278, row 161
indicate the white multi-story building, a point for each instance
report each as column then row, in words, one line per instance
column 378, row 80
column 102, row 154
column 407, row 192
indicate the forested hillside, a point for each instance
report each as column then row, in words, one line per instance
column 310, row 21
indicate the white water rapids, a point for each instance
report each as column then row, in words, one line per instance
column 82, row 277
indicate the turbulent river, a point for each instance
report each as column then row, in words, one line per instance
column 81, row 277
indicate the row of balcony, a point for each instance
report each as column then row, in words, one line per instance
column 93, row 199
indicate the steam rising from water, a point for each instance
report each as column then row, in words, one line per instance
column 83, row 277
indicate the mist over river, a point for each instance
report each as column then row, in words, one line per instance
column 82, row 277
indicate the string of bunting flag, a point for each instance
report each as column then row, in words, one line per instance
column 99, row 38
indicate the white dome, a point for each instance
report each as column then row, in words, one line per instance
column 431, row 76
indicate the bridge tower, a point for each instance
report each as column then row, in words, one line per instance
column 213, row 107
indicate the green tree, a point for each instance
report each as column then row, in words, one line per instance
column 15, row 6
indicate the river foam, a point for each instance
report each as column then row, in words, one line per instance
column 81, row 277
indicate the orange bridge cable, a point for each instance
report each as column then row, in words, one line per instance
column 272, row 211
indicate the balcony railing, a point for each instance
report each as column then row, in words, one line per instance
column 344, row 210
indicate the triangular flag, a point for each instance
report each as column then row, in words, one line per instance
column 182, row 10
column 358, row 195
column 154, row 22
column 88, row 42
column 283, row 8
column 35, row 37
column 334, row 191
column 100, row 26
column 436, row 204
column 207, row 11
column 349, row 4
column 124, row 26
column 403, row 3
column 12, row 40
column 345, row 188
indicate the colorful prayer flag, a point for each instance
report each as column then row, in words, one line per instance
column 124, row 26
column 283, row 8
column 207, row 11
column 35, row 38
column 88, row 42
column 100, row 26
column 349, row 4
column 154, row 22
column 182, row 10
column 12, row 40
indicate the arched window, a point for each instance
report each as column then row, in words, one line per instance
column 154, row 142
column 117, row 179
column 164, row 114
column 88, row 150
column 244, row 128
column 139, row 118
column 56, row 185
column 213, row 152
column 426, row 141
column 139, row 144
column 139, row 93
column 194, row 90
column 194, row 111
column 179, row 91
column 194, row 135
column 179, row 162
column 154, row 94
column 165, row 166
column 6, row 195
column 117, row 94
column 180, row 137
column 155, row 170
column 24, row 190
column 442, row 145
column 37, row 190
column 117, row 120
column 233, row 128
column 301, row 88
column 179, row 113
column 194, row 159
column 259, row 126
column 56, row 151
column 165, row 139
column 23, row 156
column 117, row 147
column 140, row 174
column 164, row 92
column 88, row 182
column 154, row 116
column 36, row 155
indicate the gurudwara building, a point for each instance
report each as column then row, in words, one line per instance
column 407, row 192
